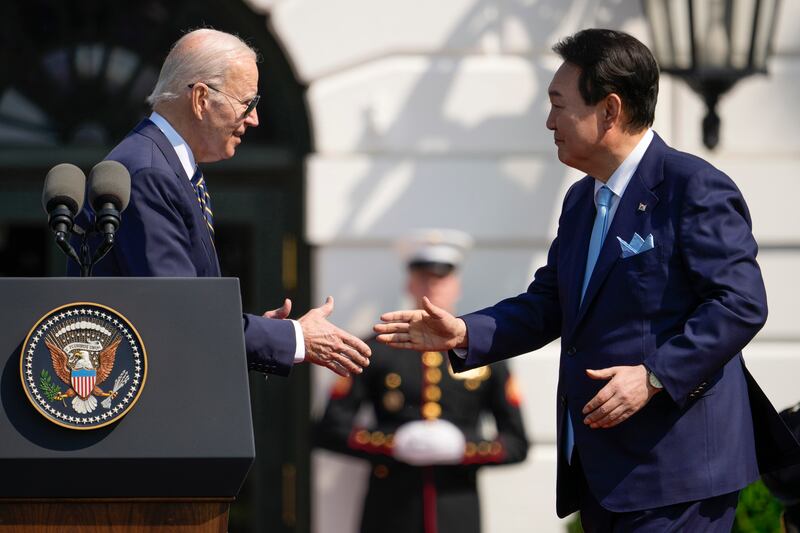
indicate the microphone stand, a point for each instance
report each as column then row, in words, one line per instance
column 108, row 218
column 86, row 257
column 61, row 224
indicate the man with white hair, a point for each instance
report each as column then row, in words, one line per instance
column 203, row 103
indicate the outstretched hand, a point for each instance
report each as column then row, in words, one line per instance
column 327, row 345
column 428, row 329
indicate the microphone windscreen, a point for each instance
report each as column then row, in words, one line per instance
column 109, row 181
column 65, row 184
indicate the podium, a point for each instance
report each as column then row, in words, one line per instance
column 177, row 457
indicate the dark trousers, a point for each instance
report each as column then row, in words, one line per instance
column 712, row 515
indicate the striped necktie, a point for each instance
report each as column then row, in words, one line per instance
column 204, row 199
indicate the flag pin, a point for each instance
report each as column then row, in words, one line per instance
column 642, row 207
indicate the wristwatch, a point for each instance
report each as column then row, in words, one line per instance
column 654, row 381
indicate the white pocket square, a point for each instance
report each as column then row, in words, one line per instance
column 637, row 245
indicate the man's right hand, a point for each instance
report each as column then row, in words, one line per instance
column 428, row 329
column 331, row 347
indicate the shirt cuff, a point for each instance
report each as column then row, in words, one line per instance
column 461, row 352
column 300, row 343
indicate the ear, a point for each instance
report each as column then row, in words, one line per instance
column 200, row 100
column 612, row 111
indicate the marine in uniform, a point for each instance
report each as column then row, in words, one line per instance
column 426, row 443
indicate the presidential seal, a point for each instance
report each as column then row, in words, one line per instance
column 83, row 366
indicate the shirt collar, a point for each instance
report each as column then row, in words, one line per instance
column 178, row 144
column 619, row 180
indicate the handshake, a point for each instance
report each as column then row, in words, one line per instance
column 429, row 328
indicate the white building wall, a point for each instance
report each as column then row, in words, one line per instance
column 432, row 114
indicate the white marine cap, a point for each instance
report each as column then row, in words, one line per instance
column 439, row 250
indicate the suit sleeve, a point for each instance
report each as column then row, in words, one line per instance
column 719, row 253
column 270, row 344
column 154, row 241
column 516, row 325
column 511, row 443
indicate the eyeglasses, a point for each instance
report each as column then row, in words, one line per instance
column 249, row 105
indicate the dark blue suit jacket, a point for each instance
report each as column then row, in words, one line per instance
column 685, row 309
column 163, row 234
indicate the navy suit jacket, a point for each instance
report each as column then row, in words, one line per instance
column 685, row 309
column 163, row 234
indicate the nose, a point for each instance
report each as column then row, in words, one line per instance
column 252, row 119
column 550, row 123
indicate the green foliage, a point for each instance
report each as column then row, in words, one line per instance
column 574, row 523
column 758, row 511
column 48, row 388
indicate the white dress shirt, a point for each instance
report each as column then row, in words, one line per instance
column 621, row 177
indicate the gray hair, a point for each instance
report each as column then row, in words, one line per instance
column 203, row 55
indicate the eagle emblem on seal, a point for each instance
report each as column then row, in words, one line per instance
column 83, row 366
column 82, row 361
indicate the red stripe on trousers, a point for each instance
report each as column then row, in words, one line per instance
column 428, row 500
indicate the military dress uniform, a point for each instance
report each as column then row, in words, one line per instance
column 404, row 386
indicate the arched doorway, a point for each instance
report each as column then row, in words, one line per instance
column 73, row 78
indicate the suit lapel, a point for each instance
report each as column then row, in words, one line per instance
column 576, row 244
column 628, row 219
column 147, row 128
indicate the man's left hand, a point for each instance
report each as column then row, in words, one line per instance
column 625, row 394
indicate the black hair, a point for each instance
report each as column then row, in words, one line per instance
column 614, row 62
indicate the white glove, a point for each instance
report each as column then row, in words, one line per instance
column 428, row 442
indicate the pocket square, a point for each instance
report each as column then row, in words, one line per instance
column 637, row 245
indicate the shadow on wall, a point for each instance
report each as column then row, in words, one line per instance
column 409, row 180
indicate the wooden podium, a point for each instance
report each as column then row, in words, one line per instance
column 178, row 457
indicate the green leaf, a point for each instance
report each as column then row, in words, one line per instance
column 47, row 386
column 758, row 511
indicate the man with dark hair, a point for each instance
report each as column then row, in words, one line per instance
column 653, row 286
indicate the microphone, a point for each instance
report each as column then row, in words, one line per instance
column 62, row 196
column 62, row 199
column 109, row 194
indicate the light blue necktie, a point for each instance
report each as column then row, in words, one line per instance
column 598, row 234
column 595, row 244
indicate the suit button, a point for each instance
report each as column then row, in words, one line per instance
column 563, row 400
column 571, row 350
